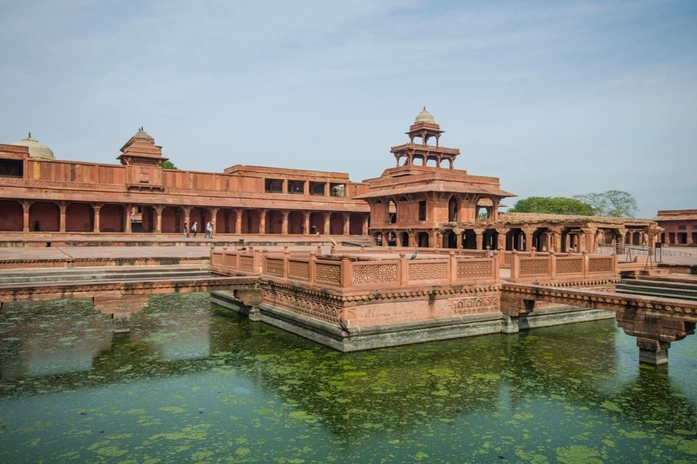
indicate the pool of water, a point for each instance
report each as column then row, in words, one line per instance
column 193, row 382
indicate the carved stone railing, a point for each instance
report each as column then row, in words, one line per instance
column 552, row 268
column 355, row 272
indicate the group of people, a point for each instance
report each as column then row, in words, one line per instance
column 194, row 230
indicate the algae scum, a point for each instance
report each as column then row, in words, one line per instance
column 193, row 382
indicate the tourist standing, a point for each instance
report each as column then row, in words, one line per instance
column 186, row 230
column 193, row 229
column 210, row 229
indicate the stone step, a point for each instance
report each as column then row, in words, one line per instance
column 640, row 283
column 38, row 276
column 681, row 291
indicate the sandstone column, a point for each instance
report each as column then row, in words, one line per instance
column 528, row 238
column 284, row 225
column 25, row 210
column 214, row 219
column 347, row 223
column 63, row 206
column 97, row 207
column 238, row 220
column 480, row 238
column 262, row 222
column 128, row 207
column 503, row 233
column 327, row 223
column 158, row 218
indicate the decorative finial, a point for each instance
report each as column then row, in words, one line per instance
column 29, row 136
column 424, row 107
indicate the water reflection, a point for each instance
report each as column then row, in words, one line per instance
column 195, row 382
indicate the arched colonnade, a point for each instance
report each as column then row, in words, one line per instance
column 74, row 217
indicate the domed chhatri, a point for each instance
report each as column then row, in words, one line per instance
column 424, row 116
column 36, row 149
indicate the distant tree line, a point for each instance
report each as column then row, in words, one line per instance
column 613, row 203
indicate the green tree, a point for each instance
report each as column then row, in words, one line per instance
column 613, row 203
column 169, row 165
column 553, row 205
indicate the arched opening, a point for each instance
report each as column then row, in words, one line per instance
column 12, row 217
column 392, row 239
column 296, row 222
column 453, row 208
column 514, row 239
column 44, row 217
column 79, row 218
column 172, row 220
column 392, row 211
column 450, row 240
column 539, row 239
column 469, row 240
column 404, row 239
column 317, row 222
column 356, row 224
column 273, row 222
column 250, row 221
column 112, row 218
column 490, row 239
column 422, row 239
column 336, row 224
column 225, row 221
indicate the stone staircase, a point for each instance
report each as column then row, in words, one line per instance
column 676, row 288
column 100, row 274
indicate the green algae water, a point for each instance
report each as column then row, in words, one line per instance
column 193, row 382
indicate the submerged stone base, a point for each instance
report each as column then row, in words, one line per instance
column 385, row 335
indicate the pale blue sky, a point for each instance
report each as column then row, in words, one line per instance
column 554, row 98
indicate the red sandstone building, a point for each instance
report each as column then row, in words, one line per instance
column 39, row 194
column 680, row 227
column 423, row 201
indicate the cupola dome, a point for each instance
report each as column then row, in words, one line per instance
column 424, row 116
column 36, row 149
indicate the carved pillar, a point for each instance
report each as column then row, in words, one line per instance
column 432, row 239
column 529, row 232
column 364, row 228
column 128, row 207
column 347, row 223
column 284, row 225
column 214, row 219
column 306, row 228
column 25, row 213
column 187, row 215
column 97, row 207
column 262, row 222
column 556, row 240
column 327, row 223
column 62, row 206
column 480, row 238
column 620, row 236
column 503, row 233
column 158, row 218
column 238, row 220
